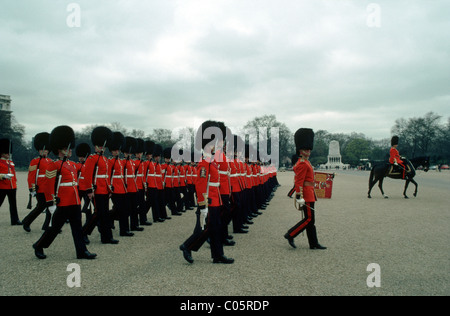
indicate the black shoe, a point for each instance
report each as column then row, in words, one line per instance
column 127, row 234
column 86, row 240
column 244, row 227
column 318, row 246
column 176, row 214
column 146, row 223
column 16, row 223
column 241, row 231
column 39, row 252
column 168, row 217
column 26, row 228
column 224, row 260
column 160, row 220
column 87, row 255
column 228, row 242
column 137, row 229
column 290, row 240
column 111, row 241
column 186, row 254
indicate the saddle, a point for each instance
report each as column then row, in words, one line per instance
column 398, row 170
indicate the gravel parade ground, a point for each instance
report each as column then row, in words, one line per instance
column 407, row 238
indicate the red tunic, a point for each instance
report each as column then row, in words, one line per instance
column 7, row 167
column 394, row 155
column 95, row 175
column 304, row 177
column 208, row 170
column 67, row 192
column 117, row 172
column 36, row 173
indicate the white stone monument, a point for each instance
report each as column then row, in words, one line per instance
column 334, row 157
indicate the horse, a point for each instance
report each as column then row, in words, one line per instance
column 385, row 169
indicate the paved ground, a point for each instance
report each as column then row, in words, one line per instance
column 408, row 239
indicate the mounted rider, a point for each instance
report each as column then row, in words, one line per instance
column 395, row 159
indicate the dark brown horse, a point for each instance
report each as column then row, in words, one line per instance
column 382, row 170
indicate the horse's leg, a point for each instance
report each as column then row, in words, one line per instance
column 406, row 188
column 371, row 184
column 415, row 183
column 380, row 185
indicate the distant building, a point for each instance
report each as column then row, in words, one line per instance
column 5, row 115
column 5, row 103
column 334, row 157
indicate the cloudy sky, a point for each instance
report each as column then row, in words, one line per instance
column 338, row 65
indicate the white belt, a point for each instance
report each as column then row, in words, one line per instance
column 41, row 176
column 103, row 176
column 130, row 176
column 68, row 184
column 214, row 184
column 223, row 172
column 234, row 175
column 139, row 175
column 118, row 177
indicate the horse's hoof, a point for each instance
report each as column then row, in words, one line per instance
column 406, row 197
column 386, row 197
column 369, row 197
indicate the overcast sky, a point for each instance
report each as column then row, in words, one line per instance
column 337, row 65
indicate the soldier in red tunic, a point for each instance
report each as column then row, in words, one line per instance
column 8, row 180
column 36, row 177
column 207, row 185
column 61, row 193
column 96, row 176
column 394, row 156
column 304, row 188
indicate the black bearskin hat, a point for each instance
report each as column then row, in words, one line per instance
column 130, row 145
column 394, row 140
column 157, row 150
column 83, row 150
column 100, row 135
column 5, row 146
column 140, row 145
column 304, row 139
column 202, row 140
column 62, row 137
column 167, row 152
column 148, row 147
column 117, row 141
column 41, row 141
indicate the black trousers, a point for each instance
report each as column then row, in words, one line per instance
column 132, row 200
column 121, row 211
column 101, row 218
column 226, row 215
column 212, row 231
column 12, row 199
column 307, row 223
column 62, row 214
column 41, row 206
column 141, row 207
column 236, row 210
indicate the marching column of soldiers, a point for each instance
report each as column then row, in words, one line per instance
column 139, row 176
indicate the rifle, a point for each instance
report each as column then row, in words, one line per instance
column 30, row 200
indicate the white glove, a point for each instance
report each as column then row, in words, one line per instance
column 8, row 176
column 52, row 209
column 203, row 214
column 301, row 202
column 395, row 163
